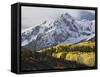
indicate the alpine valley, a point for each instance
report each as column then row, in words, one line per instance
column 63, row 42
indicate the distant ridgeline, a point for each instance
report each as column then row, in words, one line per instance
column 62, row 30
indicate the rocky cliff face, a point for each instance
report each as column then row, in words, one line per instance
column 64, row 29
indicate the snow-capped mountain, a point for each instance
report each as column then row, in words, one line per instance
column 64, row 29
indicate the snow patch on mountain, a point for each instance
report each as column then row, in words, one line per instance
column 63, row 29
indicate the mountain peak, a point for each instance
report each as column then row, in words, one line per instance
column 67, row 15
column 63, row 29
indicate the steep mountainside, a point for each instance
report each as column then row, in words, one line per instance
column 64, row 29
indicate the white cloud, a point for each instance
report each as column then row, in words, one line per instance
column 32, row 16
